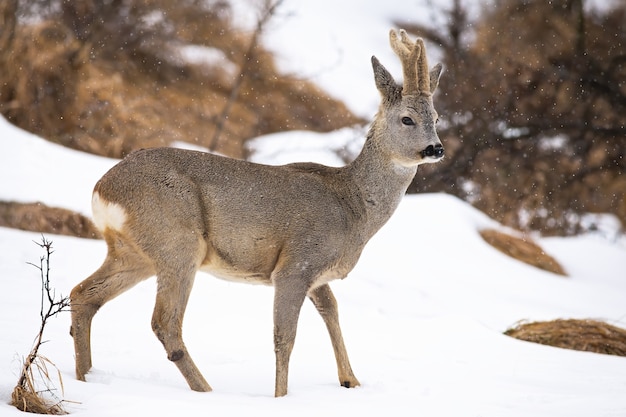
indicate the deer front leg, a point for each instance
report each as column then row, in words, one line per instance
column 289, row 294
column 167, row 322
column 326, row 305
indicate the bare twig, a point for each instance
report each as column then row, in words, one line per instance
column 27, row 396
column 266, row 14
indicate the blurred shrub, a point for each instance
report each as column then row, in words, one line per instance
column 533, row 101
column 108, row 77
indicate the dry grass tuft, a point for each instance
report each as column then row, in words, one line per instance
column 585, row 335
column 28, row 397
column 522, row 249
column 38, row 217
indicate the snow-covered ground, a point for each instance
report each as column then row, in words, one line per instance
column 422, row 313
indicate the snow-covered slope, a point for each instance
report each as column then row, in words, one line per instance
column 422, row 314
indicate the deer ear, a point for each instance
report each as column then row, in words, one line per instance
column 434, row 75
column 384, row 81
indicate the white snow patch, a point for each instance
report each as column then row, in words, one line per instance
column 204, row 55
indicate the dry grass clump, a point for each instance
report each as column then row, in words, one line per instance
column 522, row 249
column 29, row 397
column 38, row 217
column 585, row 335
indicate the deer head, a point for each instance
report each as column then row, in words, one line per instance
column 408, row 110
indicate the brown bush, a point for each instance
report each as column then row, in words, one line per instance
column 522, row 249
column 97, row 78
column 40, row 73
column 585, row 335
column 533, row 111
column 37, row 217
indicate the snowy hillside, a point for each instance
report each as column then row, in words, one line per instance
column 422, row 313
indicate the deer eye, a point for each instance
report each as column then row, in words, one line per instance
column 407, row 121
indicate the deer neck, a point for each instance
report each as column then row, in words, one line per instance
column 380, row 180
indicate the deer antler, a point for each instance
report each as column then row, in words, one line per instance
column 414, row 63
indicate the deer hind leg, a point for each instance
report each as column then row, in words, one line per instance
column 122, row 269
column 326, row 305
column 173, row 289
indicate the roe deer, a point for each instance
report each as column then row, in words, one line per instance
column 171, row 212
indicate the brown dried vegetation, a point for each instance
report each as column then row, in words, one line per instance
column 27, row 398
column 111, row 78
column 584, row 335
column 523, row 249
column 533, row 111
column 37, row 217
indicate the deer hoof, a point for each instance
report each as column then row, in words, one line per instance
column 350, row 383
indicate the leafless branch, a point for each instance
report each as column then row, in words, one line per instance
column 267, row 13
column 26, row 396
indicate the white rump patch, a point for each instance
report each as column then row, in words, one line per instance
column 107, row 215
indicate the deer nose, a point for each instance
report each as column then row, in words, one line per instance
column 435, row 151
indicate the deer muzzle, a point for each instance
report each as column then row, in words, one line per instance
column 433, row 151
